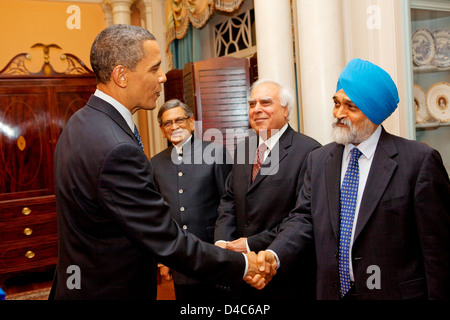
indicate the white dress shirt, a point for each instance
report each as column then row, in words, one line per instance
column 125, row 113
column 272, row 141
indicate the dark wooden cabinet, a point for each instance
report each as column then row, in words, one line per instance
column 34, row 109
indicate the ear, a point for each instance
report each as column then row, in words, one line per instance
column 286, row 112
column 119, row 76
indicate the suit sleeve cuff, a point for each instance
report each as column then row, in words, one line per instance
column 276, row 257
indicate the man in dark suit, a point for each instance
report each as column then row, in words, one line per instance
column 256, row 201
column 190, row 175
column 395, row 244
column 112, row 224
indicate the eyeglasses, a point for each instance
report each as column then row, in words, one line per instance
column 178, row 121
column 265, row 102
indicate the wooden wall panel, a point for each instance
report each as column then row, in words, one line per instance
column 222, row 91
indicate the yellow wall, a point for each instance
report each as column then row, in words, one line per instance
column 26, row 22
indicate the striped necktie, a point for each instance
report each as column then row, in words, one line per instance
column 138, row 137
column 349, row 192
column 258, row 161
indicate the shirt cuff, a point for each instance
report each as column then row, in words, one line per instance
column 246, row 266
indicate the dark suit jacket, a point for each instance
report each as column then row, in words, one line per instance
column 252, row 209
column 192, row 187
column 403, row 225
column 112, row 223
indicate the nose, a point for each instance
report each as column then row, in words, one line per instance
column 162, row 76
column 339, row 112
column 257, row 107
column 174, row 124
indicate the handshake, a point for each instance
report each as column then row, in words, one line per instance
column 261, row 267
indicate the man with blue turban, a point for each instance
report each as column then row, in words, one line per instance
column 375, row 207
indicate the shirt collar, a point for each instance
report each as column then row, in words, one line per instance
column 270, row 143
column 367, row 147
column 179, row 147
column 126, row 114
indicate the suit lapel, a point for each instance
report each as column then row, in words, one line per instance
column 333, row 182
column 272, row 161
column 381, row 171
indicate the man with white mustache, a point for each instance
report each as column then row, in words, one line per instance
column 374, row 206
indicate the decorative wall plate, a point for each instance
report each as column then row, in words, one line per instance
column 423, row 47
column 442, row 44
column 422, row 114
column 438, row 101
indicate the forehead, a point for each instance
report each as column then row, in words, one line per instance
column 152, row 52
column 266, row 90
column 172, row 114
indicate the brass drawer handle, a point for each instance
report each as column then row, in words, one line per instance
column 26, row 211
column 30, row 254
column 27, row 231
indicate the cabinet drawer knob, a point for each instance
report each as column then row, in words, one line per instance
column 27, row 231
column 26, row 211
column 30, row 254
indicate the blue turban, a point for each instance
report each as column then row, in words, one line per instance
column 370, row 88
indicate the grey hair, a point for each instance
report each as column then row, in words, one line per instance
column 119, row 44
column 285, row 95
column 173, row 103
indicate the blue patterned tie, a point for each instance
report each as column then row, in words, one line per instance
column 138, row 137
column 349, row 192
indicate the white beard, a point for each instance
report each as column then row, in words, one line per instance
column 353, row 134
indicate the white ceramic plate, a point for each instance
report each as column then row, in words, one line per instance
column 438, row 101
column 423, row 47
column 422, row 114
column 442, row 44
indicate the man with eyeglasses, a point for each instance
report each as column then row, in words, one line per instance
column 192, row 186
column 263, row 187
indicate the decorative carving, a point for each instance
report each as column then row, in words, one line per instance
column 17, row 66
column 235, row 34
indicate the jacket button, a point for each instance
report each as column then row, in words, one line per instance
column 180, row 191
column 180, row 174
column 182, row 209
column 185, row 227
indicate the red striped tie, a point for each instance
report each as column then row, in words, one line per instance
column 259, row 159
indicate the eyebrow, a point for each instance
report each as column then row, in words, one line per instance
column 156, row 65
column 263, row 98
column 346, row 100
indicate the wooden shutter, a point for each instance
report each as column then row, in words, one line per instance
column 189, row 86
column 222, row 90
column 173, row 87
